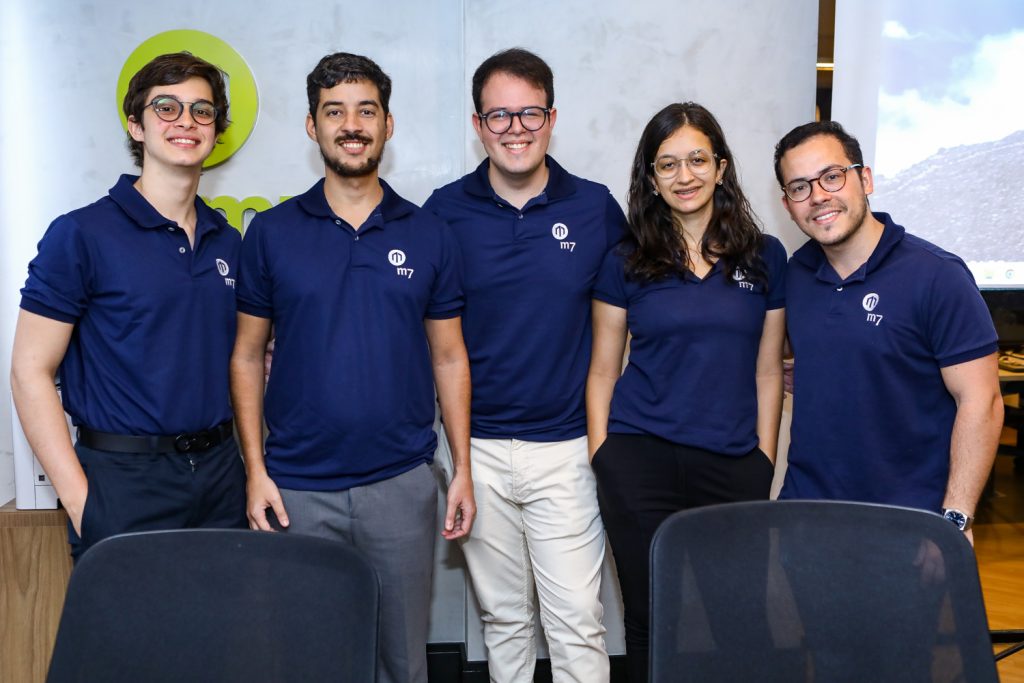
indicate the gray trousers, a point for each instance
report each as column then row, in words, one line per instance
column 393, row 523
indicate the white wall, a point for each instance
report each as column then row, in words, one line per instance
column 615, row 64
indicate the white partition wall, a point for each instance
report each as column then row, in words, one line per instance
column 615, row 64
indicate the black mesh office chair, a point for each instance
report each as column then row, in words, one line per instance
column 815, row 591
column 218, row 605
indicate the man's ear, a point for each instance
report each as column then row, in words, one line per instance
column 135, row 129
column 311, row 127
column 867, row 180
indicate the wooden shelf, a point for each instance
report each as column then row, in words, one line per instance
column 35, row 565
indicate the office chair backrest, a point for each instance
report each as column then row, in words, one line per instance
column 815, row 591
column 218, row 605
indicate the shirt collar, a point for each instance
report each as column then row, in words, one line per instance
column 560, row 182
column 391, row 207
column 145, row 215
column 812, row 256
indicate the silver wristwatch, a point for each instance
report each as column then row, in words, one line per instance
column 962, row 520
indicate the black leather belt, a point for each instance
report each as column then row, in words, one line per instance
column 180, row 443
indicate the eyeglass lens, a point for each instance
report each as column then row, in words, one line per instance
column 170, row 109
column 699, row 161
column 531, row 118
column 831, row 180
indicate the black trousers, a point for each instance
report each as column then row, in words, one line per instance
column 156, row 491
column 641, row 481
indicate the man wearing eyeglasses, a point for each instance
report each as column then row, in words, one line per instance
column 896, row 394
column 132, row 299
column 532, row 238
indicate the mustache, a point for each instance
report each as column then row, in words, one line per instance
column 352, row 137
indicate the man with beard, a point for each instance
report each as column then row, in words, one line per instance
column 363, row 291
column 896, row 386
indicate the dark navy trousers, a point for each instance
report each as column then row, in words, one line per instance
column 157, row 491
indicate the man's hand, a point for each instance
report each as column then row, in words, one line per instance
column 261, row 493
column 931, row 563
column 74, row 505
column 461, row 510
column 268, row 360
column 787, row 375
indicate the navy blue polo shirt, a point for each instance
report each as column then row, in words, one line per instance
column 350, row 399
column 154, row 318
column 872, row 418
column 693, row 354
column 528, row 279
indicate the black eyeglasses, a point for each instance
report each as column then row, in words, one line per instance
column 832, row 180
column 500, row 120
column 169, row 109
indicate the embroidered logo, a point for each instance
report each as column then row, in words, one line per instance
column 870, row 302
column 224, row 269
column 740, row 276
column 560, row 231
column 396, row 257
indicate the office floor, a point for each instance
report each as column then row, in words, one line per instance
column 999, row 544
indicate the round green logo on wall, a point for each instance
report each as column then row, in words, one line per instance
column 241, row 83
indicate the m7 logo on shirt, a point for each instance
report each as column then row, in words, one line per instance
column 560, row 231
column 741, row 279
column 396, row 257
column 223, row 269
column 869, row 303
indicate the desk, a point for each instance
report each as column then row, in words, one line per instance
column 34, row 569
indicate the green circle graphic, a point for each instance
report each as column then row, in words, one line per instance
column 241, row 83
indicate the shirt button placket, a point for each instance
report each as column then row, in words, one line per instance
column 837, row 301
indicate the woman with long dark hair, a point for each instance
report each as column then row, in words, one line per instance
column 694, row 418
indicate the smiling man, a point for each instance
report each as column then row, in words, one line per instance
column 896, row 394
column 364, row 293
column 132, row 298
column 532, row 237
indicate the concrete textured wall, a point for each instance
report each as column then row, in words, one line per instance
column 615, row 64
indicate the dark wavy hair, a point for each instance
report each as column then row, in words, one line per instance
column 344, row 67
column 733, row 235
column 171, row 69
column 801, row 134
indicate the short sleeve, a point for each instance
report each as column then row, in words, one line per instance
column 254, row 295
column 610, row 286
column 774, row 256
column 959, row 325
column 614, row 222
column 61, row 275
column 446, row 295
